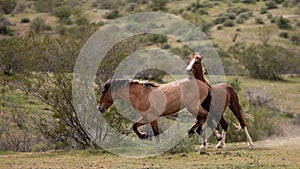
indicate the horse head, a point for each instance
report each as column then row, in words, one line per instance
column 195, row 68
column 106, row 99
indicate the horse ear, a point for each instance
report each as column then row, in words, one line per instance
column 201, row 56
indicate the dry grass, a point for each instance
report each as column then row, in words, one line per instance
column 234, row 156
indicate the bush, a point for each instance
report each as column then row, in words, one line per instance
column 112, row 15
column 245, row 15
column 269, row 16
column 236, row 84
column 283, row 23
column 25, row 20
column 220, row 19
column 228, row 23
column 248, row 1
column 279, row 1
column 263, row 125
column 266, row 62
column 38, row 25
column 46, row 5
column 259, row 20
column 271, row 5
column 295, row 39
column 82, row 21
column 240, row 20
column 7, row 6
column 4, row 23
column 284, row 35
column 159, row 5
column 62, row 12
column 263, row 10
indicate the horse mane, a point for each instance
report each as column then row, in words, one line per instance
column 117, row 84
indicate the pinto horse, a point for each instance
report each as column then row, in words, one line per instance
column 231, row 100
column 153, row 100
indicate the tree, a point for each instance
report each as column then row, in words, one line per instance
column 12, row 58
column 3, row 25
column 266, row 62
column 8, row 6
column 38, row 24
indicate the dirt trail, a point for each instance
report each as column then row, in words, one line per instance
column 288, row 141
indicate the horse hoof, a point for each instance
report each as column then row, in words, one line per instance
column 202, row 147
column 251, row 146
column 191, row 133
column 219, row 145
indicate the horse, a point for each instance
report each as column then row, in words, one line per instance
column 152, row 100
column 225, row 90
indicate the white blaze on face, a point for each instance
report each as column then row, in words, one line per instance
column 190, row 66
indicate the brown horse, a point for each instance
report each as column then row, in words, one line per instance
column 153, row 100
column 222, row 90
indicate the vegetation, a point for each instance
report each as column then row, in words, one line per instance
column 266, row 62
column 7, row 6
column 37, row 60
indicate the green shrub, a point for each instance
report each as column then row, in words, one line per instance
column 240, row 20
column 266, row 62
column 82, row 21
column 283, row 23
column 295, row 39
column 273, row 20
column 284, row 35
column 230, row 15
column 4, row 23
column 245, row 15
column 298, row 24
column 237, row 10
column 269, row 16
column 112, row 15
column 165, row 46
column 159, row 5
column 25, row 20
column 236, row 84
column 248, row 1
column 271, row 5
column 46, row 5
column 220, row 19
column 228, row 23
column 263, row 10
column 7, row 6
column 38, row 25
column 279, row 1
column 259, row 20
column 263, row 125
column 67, row 21
column 62, row 12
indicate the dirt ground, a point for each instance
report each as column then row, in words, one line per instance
column 276, row 153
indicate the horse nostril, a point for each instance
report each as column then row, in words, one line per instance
column 101, row 109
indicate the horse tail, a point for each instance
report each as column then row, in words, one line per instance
column 236, row 108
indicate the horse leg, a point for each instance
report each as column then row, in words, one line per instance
column 217, row 135
column 236, row 108
column 204, row 139
column 155, row 129
column 249, row 139
column 224, row 131
column 140, row 134
column 201, row 118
